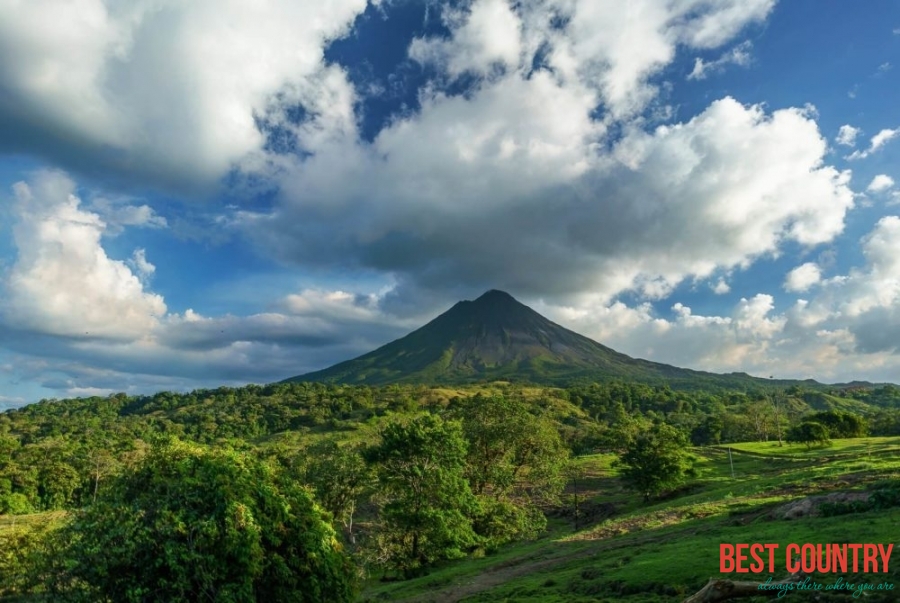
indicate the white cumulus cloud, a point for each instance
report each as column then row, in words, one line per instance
column 162, row 91
column 487, row 34
column 880, row 183
column 803, row 277
column 504, row 189
column 63, row 282
column 847, row 135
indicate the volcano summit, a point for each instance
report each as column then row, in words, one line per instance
column 495, row 337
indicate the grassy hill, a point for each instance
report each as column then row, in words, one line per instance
column 625, row 551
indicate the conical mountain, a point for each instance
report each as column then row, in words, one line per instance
column 496, row 337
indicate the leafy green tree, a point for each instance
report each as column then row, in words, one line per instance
column 14, row 503
column 425, row 499
column 25, row 553
column 708, row 432
column 515, row 462
column 193, row 524
column 809, row 433
column 625, row 427
column 341, row 479
column 656, row 460
column 841, row 424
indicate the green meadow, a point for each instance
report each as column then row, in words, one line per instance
column 670, row 549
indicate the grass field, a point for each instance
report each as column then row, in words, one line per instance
column 628, row 551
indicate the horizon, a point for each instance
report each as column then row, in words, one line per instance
column 212, row 195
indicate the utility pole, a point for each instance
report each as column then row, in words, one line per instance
column 575, row 488
column 777, row 418
column 731, row 462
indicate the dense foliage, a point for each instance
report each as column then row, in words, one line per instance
column 412, row 474
column 656, row 460
column 424, row 497
column 192, row 523
column 810, row 433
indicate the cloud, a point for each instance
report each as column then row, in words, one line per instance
column 63, row 283
column 486, row 35
column 880, row 183
column 542, row 174
column 721, row 287
column 848, row 329
column 120, row 213
column 882, row 138
column 310, row 330
column 803, row 277
column 311, row 319
column 506, row 189
column 748, row 338
column 140, row 264
column 159, row 91
column 739, row 55
column 586, row 43
column 179, row 95
column 77, row 321
column 847, row 135
column 876, row 143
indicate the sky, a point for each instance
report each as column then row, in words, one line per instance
column 206, row 193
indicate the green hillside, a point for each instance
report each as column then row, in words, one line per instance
column 510, row 492
column 662, row 553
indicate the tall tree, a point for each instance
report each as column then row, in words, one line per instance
column 425, row 499
column 340, row 478
column 515, row 462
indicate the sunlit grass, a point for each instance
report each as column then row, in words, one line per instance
column 670, row 548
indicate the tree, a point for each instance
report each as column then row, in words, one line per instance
column 655, row 461
column 340, row 478
column 841, row 424
column 809, row 433
column 708, row 432
column 624, row 427
column 192, row 524
column 515, row 461
column 425, row 499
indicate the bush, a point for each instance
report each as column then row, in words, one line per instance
column 15, row 504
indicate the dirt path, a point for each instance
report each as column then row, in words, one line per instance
column 513, row 568
column 494, row 576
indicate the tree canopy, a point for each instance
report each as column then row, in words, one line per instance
column 425, row 499
column 192, row 523
column 655, row 461
column 809, row 433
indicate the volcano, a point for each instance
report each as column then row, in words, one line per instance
column 495, row 337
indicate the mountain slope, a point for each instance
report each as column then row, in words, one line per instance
column 496, row 337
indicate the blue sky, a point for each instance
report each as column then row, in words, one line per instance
column 208, row 193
